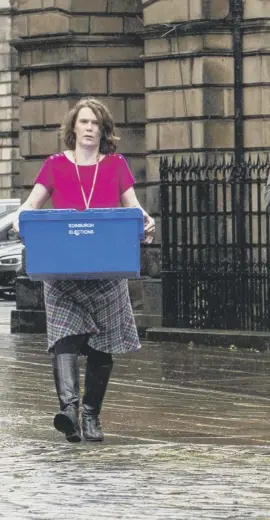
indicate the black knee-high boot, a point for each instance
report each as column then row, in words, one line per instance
column 66, row 377
column 97, row 375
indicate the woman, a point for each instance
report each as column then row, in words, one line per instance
column 86, row 317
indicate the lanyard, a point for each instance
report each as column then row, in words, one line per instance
column 87, row 202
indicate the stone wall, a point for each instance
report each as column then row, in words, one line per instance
column 256, row 51
column 9, row 151
column 166, row 72
column 68, row 50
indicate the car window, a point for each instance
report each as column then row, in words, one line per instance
column 6, row 221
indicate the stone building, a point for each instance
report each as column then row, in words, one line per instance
column 180, row 76
column 9, row 124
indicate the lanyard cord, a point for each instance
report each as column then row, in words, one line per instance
column 87, row 202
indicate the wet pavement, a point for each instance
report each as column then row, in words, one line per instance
column 187, row 437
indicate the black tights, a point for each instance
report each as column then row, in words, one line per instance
column 78, row 344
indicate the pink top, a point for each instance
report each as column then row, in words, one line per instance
column 58, row 175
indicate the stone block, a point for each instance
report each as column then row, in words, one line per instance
column 138, row 166
column 256, row 133
column 188, row 103
column 212, row 102
column 55, row 110
column 80, row 24
column 29, row 295
column 217, row 9
column 218, row 70
column 28, row 322
column 265, row 103
column 132, row 140
column 64, row 81
column 151, row 137
column 63, row 4
column 151, row 260
column 116, row 106
column 228, row 94
column 5, row 167
column 218, row 134
column 5, row 89
column 132, row 24
column 31, row 113
column 29, row 169
column 256, row 9
column 153, row 199
column 29, row 4
column 151, row 74
column 152, row 168
column 265, row 69
column 166, row 11
column 6, row 181
column 25, row 143
column 20, row 26
column 43, row 83
column 159, row 105
column 6, row 114
column 256, row 40
column 110, row 53
column 48, row 23
column 152, row 296
column 56, row 55
column 124, row 6
column 106, row 25
column 217, row 41
column 135, row 293
column 136, row 110
column 197, row 71
column 89, row 6
column 187, row 43
column 88, row 81
column 48, row 3
column 25, row 58
column 253, row 101
column 44, row 142
column 173, row 136
column 141, row 195
column 24, row 85
column 6, row 101
column 157, row 47
column 195, row 9
column 126, row 81
column 174, row 72
column 252, row 69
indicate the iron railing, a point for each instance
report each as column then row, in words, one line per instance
column 215, row 243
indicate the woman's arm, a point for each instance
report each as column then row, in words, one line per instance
column 129, row 200
column 36, row 200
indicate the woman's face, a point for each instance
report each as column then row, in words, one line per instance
column 87, row 129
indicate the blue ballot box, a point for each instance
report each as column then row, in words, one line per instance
column 93, row 244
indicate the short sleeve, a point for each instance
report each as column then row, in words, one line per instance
column 126, row 178
column 45, row 176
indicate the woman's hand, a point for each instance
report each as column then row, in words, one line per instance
column 149, row 228
column 129, row 200
column 36, row 200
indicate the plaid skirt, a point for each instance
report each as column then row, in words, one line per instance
column 100, row 309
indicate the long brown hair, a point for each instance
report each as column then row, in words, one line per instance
column 108, row 141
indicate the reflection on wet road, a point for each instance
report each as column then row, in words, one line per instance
column 187, row 437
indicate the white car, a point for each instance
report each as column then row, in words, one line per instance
column 10, row 257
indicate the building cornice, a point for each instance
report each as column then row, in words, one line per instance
column 197, row 27
column 8, row 11
column 71, row 39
